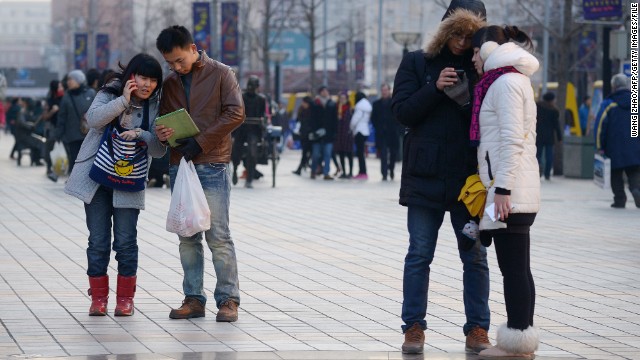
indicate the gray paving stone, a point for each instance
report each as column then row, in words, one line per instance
column 320, row 271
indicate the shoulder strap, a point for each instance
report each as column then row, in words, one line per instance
column 420, row 64
column 74, row 106
column 145, row 117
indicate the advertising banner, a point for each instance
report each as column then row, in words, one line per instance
column 229, row 34
column 602, row 9
column 359, row 59
column 341, row 57
column 80, row 51
column 587, row 51
column 102, row 51
column 202, row 26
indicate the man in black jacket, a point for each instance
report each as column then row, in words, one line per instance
column 387, row 132
column 250, row 132
column 432, row 101
column 547, row 131
column 324, row 124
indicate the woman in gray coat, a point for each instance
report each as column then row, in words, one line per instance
column 131, row 97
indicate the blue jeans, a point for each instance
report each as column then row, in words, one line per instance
column 423, row 224
column 99, row 213
column 324, row 150
column 215, row 182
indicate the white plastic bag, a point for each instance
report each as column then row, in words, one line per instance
column 189, row 211
column 602, row 171
column 59, row 159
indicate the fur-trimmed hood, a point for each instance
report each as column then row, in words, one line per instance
column 461, row 21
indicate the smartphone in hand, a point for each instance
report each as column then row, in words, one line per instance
column 459, row 72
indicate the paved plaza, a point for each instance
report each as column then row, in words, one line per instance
column 320, row 267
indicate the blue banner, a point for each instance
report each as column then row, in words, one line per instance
column 587, row 50
column 202, row 26
column 358, row 56
column 602, row 9
column 80, row 52
column 229, row 34
column 102, row 51
column 341, row 57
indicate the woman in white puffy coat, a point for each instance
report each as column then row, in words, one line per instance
column 360, row 129
column 503, row 127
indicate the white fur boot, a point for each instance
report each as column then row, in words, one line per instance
column 514, row 343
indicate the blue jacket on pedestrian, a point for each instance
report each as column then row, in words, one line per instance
column 613, row 131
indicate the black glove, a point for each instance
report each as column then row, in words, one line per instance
column 189, row 148
column 486, row 238
column 459, row 92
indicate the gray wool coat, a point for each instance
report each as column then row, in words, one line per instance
column 103, row 110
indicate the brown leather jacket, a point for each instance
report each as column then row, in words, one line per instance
column 215, row 105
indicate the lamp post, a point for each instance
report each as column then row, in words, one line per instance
column 405, row 39
column 277, row 56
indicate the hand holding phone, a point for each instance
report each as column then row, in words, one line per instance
column 459, row 72
column 130, row 87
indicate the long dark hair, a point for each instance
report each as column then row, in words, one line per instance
column 500, row 35
column 141, row 64
column 53, row 89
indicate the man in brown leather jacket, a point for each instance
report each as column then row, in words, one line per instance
column 209, row 91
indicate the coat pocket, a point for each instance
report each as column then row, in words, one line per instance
column 423, row 159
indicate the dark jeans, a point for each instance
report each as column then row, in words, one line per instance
column 423, row 224
column 388, row 156
column 548, row 158
column 249, row 135
column 73, row 148
column 513, row 255
column 46, row 152
column 617, row 183
column 349, row 157
column 360, row 151
column 306, row 154
column 99, row 213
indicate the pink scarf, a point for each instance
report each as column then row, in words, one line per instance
column 479, row 93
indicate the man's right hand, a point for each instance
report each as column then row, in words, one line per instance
column 447, row 77
column 163, row 133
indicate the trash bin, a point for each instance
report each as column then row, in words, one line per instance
column 577, row 156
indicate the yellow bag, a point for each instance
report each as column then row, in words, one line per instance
column 474, row 195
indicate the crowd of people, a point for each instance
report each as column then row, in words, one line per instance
column 463, row 107
column 331, row 131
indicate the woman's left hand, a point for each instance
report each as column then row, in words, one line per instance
column 502, row 206
column 129, row 135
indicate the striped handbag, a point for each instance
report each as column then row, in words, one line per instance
column 120, row 164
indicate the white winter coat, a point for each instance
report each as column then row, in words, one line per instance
column 361, row 117
column 508, row 131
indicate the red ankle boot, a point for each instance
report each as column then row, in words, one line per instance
column 125, row 293
column 99, row 291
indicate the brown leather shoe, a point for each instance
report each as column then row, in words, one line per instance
column 413, row 340
column 477, row 340
column 191, row 308
column 228, row 312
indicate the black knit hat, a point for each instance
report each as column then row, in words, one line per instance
column 475, row 6
column 549, row 96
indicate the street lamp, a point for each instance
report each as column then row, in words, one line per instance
column 405, row 39
column 277, row 56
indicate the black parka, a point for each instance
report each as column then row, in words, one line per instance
column 437, row 157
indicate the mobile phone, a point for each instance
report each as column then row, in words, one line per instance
column 459, row 72
column 132, row 77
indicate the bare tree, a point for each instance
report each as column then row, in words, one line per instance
column 308, row 26
column 275, row 15
column 157, row 15
column 563, row 35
